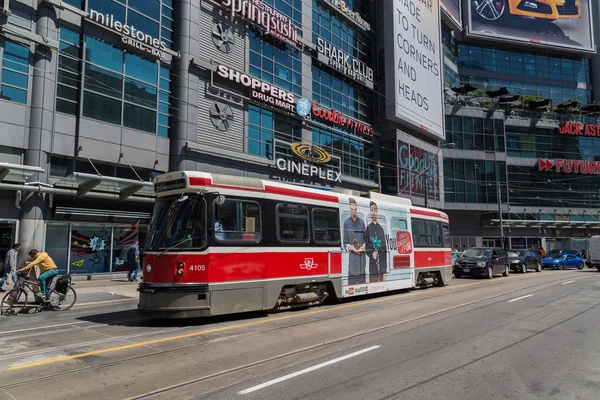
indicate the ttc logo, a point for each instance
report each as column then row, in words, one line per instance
column 309, row 263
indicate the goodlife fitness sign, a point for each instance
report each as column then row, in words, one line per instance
column 260, row 90
column 337, row 118
column 343, row 62
column 131, row 36
column 271, row 21
column 563, row 166
column 579, row 129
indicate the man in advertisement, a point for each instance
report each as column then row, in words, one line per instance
column 354, row 243
column 376, row 247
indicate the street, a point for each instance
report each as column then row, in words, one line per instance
column 527, row 336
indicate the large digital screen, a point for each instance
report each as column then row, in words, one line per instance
column 414, row 66
column 452, row 9
column 418, row 171
column 556, row 23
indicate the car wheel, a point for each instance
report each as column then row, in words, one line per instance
column 524, row 268
column 506, row 271
column 561, row 266
column 539, row 267
column 490, row 272
column 491, row 10
column 581, row 265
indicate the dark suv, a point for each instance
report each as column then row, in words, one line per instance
column 485, row 261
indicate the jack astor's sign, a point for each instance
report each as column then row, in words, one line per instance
column 130, row 35
column 271, row 21
column 313, row 154
column 563, row 166
column 342, row 62
column 579, row 129
column 260, row 90
column 337, row 118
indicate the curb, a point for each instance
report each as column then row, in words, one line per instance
column 100, row 277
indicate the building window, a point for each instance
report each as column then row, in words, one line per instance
column 279, row 66
column 69, row 71
column 474, row 181
column 355, row 154
column 472, row 133
column 266, row 126
column 14, row 75
column 152, row 17
column 124, row 88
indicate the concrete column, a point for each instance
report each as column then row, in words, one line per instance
column 41, row 126
column 307, row 78
column 185, row 85
column 595, row 67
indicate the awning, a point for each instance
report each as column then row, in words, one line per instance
column 17, row 172
column 125, row 188
column 518, row 223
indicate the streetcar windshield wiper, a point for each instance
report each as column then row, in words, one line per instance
column 178, row 244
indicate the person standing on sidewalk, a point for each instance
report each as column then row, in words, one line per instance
column 10, row 265
column 48, row 269
column 133, row 258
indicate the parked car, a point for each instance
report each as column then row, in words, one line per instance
column 522, row 260
column 485, row 261
column 594, row 252
column 561, row 259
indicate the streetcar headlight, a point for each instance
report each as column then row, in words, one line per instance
column 149, row 268
column 481, row 264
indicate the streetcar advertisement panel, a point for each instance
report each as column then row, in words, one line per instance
column 377, row 251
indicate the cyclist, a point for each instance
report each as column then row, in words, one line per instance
column 48, row 269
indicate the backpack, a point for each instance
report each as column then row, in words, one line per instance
column 62, row 283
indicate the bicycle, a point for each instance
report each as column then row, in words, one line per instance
column 60, row 297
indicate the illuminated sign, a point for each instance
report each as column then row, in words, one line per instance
column 313, row 154
column 418, row 171
column 353, row 15
column 130, row 35
column 343, row 62
column 169, row 185
column 337, row 118
column 563, row 166
column 271, row 21
column 579, row 129
column 260, row 90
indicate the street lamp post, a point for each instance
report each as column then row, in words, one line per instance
column 431, row 163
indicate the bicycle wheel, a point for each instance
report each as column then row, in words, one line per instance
column 13, row 302
column 62, row 302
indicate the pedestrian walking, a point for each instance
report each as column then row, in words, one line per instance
column 133, row 258
column 10, row 266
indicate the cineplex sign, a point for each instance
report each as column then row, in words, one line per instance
column 260, row 90
column 342, row 62
column 579, row 129
column 313, row 154
column 271, row 21
column 586, row 167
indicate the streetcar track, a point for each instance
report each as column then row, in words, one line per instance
column 261, row 362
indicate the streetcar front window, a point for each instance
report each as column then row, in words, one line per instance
column 178, row 222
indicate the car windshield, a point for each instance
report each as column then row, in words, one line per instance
column 553, row 253
column 178, row 221
column 477, row 253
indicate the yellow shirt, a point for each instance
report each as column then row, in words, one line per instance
column 44, row 261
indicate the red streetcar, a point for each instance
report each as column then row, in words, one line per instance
column 222, row 244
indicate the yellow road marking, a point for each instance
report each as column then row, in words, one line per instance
column 238, row 326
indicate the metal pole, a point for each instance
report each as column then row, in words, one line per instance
column 379, row 166
column 500, row 213
column 426, row 191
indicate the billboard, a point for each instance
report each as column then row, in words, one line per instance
column 557, row 23
column 453, row 10
column 418, row 171
column 414, row 67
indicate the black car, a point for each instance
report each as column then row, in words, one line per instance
column 484, row 261
column 522, row 260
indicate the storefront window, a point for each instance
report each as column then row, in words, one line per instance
column 123, row 238
column 57, row 245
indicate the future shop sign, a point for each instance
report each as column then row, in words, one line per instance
column 563, row 166
column 343, row 62
column 260, row 90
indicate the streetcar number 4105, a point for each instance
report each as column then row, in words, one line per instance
column 198, row 268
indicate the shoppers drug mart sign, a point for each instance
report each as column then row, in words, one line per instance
column 132, row 36
column 260, row 90
column 271, row 21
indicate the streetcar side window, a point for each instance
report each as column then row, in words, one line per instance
column 446, row 233
column 292, row 223
column 419, row 233
column 434, row 234
column 399, row 224
column 326, row 226
column 237, row 221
